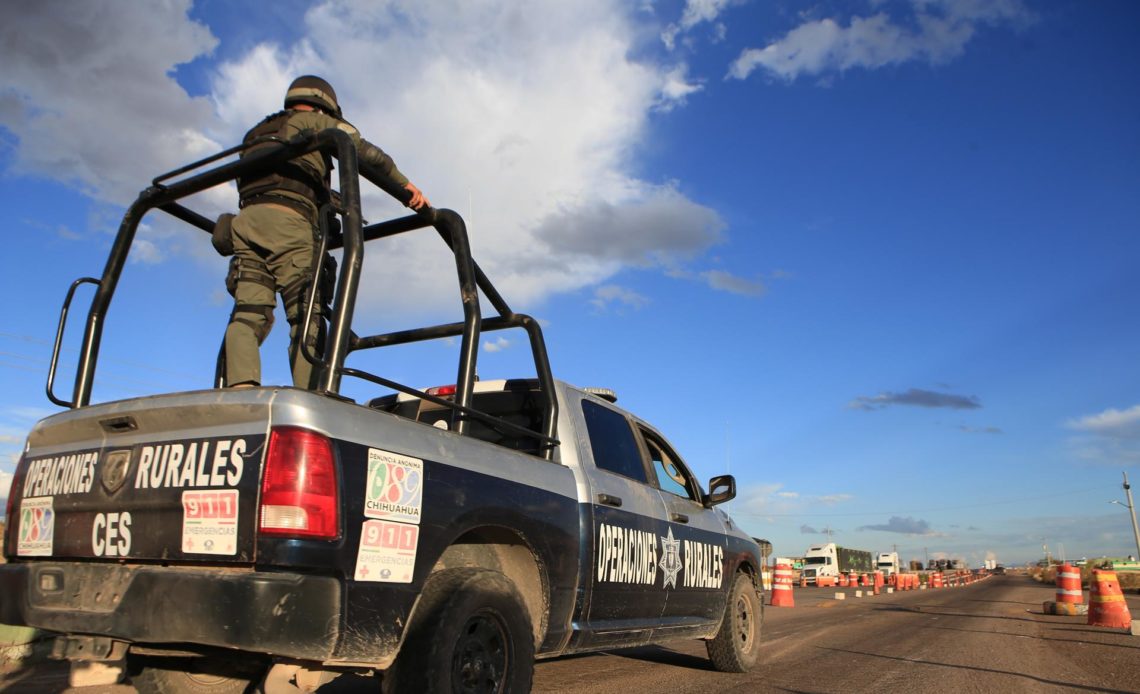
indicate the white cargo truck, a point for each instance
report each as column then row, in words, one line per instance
column 831, row 560
column 888, row 563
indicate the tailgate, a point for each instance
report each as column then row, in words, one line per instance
column 164, row 478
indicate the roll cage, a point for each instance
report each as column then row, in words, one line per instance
column 167, row 190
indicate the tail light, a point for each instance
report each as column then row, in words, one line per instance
column 299, row 491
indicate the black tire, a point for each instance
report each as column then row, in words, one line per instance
column 736, row 647
column 470, row 634
column 193, row 675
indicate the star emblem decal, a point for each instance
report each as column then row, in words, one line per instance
column 670, row 559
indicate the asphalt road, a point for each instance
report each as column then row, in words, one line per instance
column 991, row 636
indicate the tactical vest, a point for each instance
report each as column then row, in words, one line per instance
column 291, row 175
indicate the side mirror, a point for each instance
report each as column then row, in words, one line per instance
column 722, row 488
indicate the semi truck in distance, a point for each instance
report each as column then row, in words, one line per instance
column 831, row 560
column 888, row 563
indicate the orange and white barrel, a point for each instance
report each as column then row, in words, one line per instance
column 1069, row 584
column 782, row 587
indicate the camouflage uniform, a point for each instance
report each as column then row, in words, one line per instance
column 275, row 240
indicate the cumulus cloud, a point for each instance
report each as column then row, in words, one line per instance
column 677, row 87
column 696, row 12
column 916, row 397
column 937, row 33
column 1110, row 437
column 1111, row 423
column 90, row 96
column 497, row 345
column 527, row 126
column 5, row 484
column 905, row 526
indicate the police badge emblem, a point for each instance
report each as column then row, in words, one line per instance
column 115, row 470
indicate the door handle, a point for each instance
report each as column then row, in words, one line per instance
column 679, row 517
column 610, row 500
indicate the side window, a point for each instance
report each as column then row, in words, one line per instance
column 671, row 473
column 611, row 438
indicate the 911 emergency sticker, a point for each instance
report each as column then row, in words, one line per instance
column 395, row 487
column 37, row 527
column 387, row 552
column 210, row 521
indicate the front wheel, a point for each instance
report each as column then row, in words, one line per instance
column 471, row 634
column 736, row 647
column 193, row 675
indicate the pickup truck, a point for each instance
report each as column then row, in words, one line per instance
column 442, row 538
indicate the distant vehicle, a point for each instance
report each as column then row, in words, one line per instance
column 999, row 570
column 830, row 560
column 888, row 563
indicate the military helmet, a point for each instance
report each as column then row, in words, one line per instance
column 312, row 90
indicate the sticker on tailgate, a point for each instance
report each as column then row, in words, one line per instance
column 210, row 522
column 37, row 527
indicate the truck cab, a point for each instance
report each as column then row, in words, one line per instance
column 820, row 560
column 888, row 563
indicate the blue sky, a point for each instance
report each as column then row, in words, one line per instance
column 877, row 259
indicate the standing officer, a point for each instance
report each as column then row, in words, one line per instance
column 275, row 234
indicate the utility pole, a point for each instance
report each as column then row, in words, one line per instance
column 1132, row 510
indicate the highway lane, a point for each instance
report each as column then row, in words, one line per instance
column 990, row 636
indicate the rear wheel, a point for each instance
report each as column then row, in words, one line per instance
column 471, row 634
column 193, row 675
column 736, row 647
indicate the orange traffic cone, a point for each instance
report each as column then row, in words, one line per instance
column 1106, row 603
column 842, row 580
column 782, row 587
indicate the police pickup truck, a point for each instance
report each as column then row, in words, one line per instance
column 443, row 538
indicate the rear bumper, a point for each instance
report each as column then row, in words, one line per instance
column 283, row 614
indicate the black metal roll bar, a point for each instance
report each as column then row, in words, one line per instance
column 164, row 194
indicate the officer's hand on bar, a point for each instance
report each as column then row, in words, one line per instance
column 418, row 199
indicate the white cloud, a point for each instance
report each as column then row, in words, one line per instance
column 5, row 484
column 677, row 87
column 497, row 346
column 90, row 97
column 939, row 33
column 1111, row 423
column 527, row 125
column 695, row 12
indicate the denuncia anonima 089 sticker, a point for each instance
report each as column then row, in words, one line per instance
column 37, row 528
column 395, row 487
